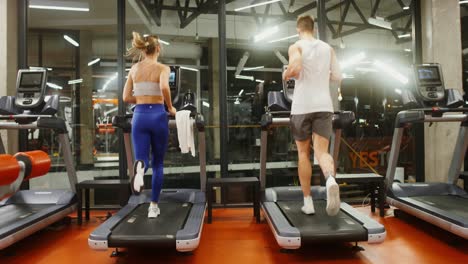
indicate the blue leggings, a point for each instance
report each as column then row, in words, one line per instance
column 150, row 128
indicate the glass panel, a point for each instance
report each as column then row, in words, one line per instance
column 372, row 39
column 86, row 111
column 188, row 39
column 258, row 39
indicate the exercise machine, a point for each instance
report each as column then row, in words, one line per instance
column 181, row 221
column 443, row 204
column 27, row 211
column 282, row 205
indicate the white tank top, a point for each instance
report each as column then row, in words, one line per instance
column 312, row 88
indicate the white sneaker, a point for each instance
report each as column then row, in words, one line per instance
column 138, row 174
column 153, row 211
column 308, row 207
column 333, row 197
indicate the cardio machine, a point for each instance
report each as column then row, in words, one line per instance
column 28, row 211
column 181, row 221
column 282, row 205
column 443, row 204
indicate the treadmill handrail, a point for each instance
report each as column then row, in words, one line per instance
column 422, row 116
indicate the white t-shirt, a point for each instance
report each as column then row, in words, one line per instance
column 312, row 88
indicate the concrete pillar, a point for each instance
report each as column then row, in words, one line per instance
column 441, row 43
column 8, row 62
column 86, row 97
column 213, row 59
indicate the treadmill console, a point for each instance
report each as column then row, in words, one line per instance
column 429, row 82
column 174, row 83
column 288, row 86
column 30, row 88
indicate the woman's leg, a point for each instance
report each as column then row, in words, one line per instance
column 159, row 141
column 141, row 139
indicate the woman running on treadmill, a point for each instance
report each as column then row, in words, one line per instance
column 147, row 86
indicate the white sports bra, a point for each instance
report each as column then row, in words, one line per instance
column 146, row 88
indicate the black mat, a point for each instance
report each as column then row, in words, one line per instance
column 137, row 230
column 320, row 227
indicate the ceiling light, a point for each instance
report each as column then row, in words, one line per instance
column 75, row 81
column 398, row 91
column 379, row 22
column 237, row 101
column 244, row 77
column 71, row 41
column 285, row 38
column 392, row 72
column 94, row 61
column 255, row 5
column 241, row 91
column 406, row 8
column 59, row 5
column 353, row 60
column 463, row 2
column 242, row 62
column 54, row 86
column 164, row 42
column 404, row 36
column 260, row 81
column 189, row 69
column 254, row 68
column 266, row 33
column 281, row 57
column 206, row 104
column 365, row 70
column 407, row 50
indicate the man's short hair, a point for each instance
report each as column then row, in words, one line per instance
column 305, row 23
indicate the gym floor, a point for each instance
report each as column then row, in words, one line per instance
column 234, row 237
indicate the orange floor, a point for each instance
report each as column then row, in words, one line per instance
column 234, row 237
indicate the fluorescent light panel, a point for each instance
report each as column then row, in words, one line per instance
column 244, row 77
column 75, row 81
column 206, row 104
column 254, row 68
column 266, row 33
column 94, row 61
column 257, row 4
column 406, row 8
column 59, row 5
column 241, row 91
column 259, row 81
column 164, row 42
column 54, row 86
column 189, row 69
column 408, row 50
column 463, row 2
column 285, row 38
column 379, row 22
column 392, row 72
column 353, row 60
column 71, row 41
column 405, row 36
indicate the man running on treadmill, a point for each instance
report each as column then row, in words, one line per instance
column 313, row 64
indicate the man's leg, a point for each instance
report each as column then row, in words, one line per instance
column 328, row 168
column 305, row 173
column 304, row 167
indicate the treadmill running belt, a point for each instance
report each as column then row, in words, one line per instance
column 456, row 205
column 10, row 214
column 320, row 227
column 137, row 230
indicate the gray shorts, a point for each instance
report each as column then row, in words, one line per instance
column 302, row 126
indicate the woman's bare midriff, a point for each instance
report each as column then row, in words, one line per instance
column 150, row 99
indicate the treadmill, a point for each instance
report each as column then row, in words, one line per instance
column 183, row 210
column 28, row 211
column 442, row 204
column 282, row 205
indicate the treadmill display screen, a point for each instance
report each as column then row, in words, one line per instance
column 31, row 80
column 172, row 77
column 428, row 74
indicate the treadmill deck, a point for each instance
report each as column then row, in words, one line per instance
column 320, row 227
column 137, row 230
